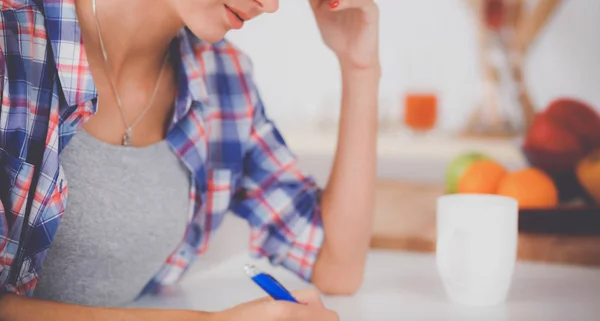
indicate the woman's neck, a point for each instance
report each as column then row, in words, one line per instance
column 136, row 35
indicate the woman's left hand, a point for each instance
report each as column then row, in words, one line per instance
column 351, row 29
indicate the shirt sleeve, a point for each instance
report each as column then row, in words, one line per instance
column 281, row 204
column 4, row 237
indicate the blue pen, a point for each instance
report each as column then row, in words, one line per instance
column 269, row 284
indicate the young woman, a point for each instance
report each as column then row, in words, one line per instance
column 129, row 128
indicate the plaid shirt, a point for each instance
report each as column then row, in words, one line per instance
column 237, row 159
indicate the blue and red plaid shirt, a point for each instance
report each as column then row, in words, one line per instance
column 237, row 159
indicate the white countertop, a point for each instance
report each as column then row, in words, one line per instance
column 401, row 155
column 398, row 285
column 403, row 286
column 400, row 143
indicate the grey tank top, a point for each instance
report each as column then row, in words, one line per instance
column 127, row 211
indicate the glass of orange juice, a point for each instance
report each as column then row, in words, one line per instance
column 420, row 111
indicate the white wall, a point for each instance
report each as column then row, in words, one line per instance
column 425, row 44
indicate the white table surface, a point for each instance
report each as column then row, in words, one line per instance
column 402, row 286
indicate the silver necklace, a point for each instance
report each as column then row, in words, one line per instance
column 127, row 136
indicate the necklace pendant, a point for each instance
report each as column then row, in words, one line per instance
column 127, row 137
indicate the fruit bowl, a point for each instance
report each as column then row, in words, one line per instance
column 560, row 166
column 562, row 220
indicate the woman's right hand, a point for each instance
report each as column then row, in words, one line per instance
column 310, row 308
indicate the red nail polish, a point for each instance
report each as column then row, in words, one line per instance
column 334, row 4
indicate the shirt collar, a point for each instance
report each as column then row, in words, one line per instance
column 191, row 72
column 73, row 68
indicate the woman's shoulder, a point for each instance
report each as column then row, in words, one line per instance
column 217, row 55
column 225, row 71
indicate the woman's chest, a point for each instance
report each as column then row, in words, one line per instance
column 128, row 210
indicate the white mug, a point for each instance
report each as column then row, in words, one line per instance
column 476, row 247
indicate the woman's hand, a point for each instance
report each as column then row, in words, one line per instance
column 310, row 308
column 351, row 29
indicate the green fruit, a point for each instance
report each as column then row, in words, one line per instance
column 457, row 167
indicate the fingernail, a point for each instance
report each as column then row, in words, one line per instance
column 334, row 4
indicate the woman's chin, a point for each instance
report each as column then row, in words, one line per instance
column 212, row 36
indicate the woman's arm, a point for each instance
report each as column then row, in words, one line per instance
column 350, row 29
column 17, row 308
column 348, row 199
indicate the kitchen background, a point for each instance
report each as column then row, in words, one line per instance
column 426, row 45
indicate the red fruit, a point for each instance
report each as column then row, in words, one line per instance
column 578, row 118
column 552, row 162
column 546, row 135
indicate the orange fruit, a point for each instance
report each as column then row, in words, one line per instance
column 482, row 177
column 531, row 187
column 588, row 173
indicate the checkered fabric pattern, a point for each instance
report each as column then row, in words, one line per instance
column 238, row 161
